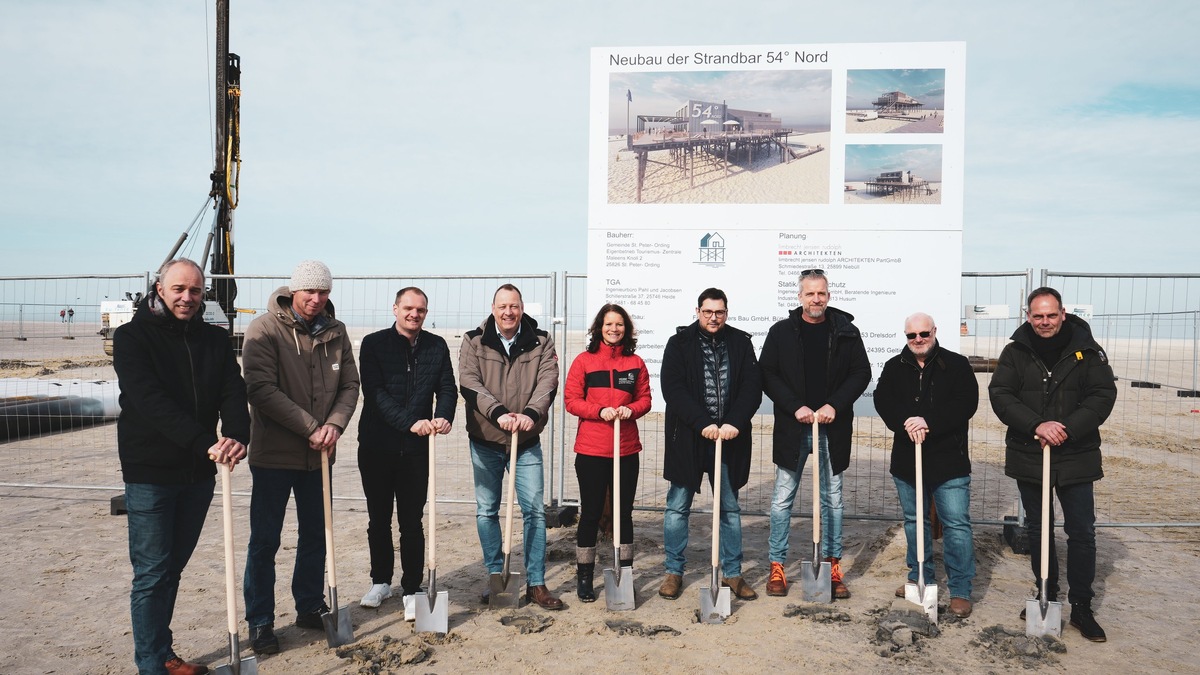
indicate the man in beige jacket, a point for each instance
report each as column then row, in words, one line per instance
column 302, row 384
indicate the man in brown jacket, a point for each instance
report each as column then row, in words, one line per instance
column 302, row 385
column 508, row 376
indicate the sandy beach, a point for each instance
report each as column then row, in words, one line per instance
column 860, row 196
column 888, row 125
column 764, row 181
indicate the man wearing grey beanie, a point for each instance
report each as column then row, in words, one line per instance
column 302, row 384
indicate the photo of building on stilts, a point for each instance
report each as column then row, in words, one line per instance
column 893, row 174
column 895, row 101
column 709, row 151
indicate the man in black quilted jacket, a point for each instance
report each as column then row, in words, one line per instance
column 402, row 369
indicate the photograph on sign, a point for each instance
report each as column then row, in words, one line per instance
column 893, row 174
column 719, row 137
column 896, row 101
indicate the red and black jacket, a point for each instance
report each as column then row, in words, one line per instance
column 606, row 379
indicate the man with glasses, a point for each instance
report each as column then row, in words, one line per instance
column 1053, row 385
column 814, row 367
column 711, row 385
column 927, row 394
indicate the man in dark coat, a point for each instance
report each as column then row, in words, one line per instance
column 711, row 385
column 401, row 369
column 1053, row 385
column 814, row 367
column 178, row 378
column 927, row 394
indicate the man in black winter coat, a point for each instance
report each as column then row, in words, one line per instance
column 814, row 367
column 927, row 395
column 710, row 382
column 1053, row 385
column 178, row 376
column 401, row 368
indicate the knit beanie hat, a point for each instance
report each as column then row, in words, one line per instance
column 311, row 275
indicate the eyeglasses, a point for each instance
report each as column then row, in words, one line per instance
column 814, row 272
column 710, row 313
column 913, row 336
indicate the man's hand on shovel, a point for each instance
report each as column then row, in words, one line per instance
column 228, row 451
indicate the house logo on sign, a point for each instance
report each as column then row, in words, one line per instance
column 712, row 250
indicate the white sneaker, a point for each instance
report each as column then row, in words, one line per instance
column 410, row 608
column 375, row 596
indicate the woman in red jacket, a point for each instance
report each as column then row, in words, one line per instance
column 606, row 382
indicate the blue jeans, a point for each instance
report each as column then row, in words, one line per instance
column 675, row 527
column 1079, row 522
column 489, row 466
column 268, row 503
column 784, row 496
column 953, row 499
column 164, row 526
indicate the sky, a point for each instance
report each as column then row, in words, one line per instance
column 798, row 98
column 400, row 137
column 865, row 162
column 926, row 85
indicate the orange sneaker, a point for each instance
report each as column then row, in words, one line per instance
column 777, row 583
column 840, row 591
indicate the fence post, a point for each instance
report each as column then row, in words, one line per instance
column 20, row 323
column 1149, row 348
column 1195, row 351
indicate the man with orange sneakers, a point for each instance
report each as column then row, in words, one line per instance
column 814, row 366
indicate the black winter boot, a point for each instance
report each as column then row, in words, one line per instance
column 1083, row 619
column 583, row 582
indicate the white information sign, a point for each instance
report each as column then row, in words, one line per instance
column 737, row 167
column 986, row 312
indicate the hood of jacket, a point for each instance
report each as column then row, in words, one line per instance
column 1081, row 336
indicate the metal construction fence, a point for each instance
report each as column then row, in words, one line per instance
column 1147, row 324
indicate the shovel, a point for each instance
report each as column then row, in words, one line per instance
column 714, row 598
column 618, row 581
column 919, row 593
column 432, row 612
column 815, row 583
column 1043, row 617
column 338, row 630
column 236, row 665
column 506, row 585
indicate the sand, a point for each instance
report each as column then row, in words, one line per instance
column 765, row 181
column 931, row 195
column 883, row 125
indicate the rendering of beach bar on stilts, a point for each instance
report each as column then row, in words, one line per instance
column 712, row 134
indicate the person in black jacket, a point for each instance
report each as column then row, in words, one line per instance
column 711, row 385
column 178, row 376
column 1053, row 385
column 814, row 366
column 402, row 369
column 927, row 395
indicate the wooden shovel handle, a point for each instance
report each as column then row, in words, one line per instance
column 816, row 482
column 431, row 497
column 327, row 505
column 227, row 522
column 512, row 491
column 716, row 518
column 616, row 486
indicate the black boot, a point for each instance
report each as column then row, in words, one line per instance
column 1083, row 619
column 583, row 582
column 626, row 553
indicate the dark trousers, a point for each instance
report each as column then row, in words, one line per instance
column 595, row 479
column 1079, row 522
column 403, row 481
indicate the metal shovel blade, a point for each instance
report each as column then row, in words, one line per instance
column 338, row 630
column 618, row 589
column 246, row 666
column 432, row 613
column 1040, row 622
column 925, row 597
column 816, row 587
column 714, row 608
column 505, row 590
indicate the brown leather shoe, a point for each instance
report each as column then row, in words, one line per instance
column 777, row 583
column 837, row 586
column 960, row 607
column 541, row 595
column 740, row 588
column 178, row 666
column 900, row 590
column 672, row 587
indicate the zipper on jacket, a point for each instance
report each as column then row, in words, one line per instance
column 195, row 395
